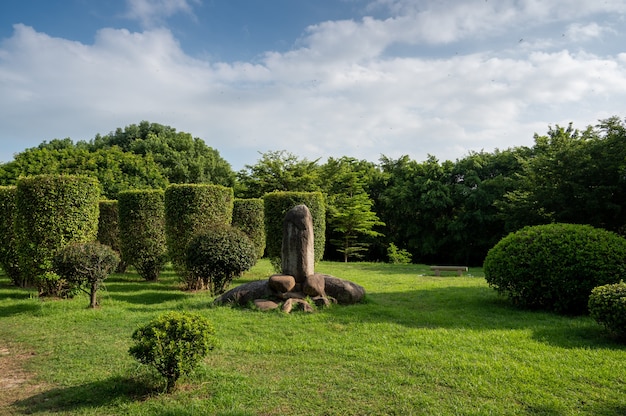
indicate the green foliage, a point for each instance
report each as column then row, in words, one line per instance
column 53, row 211
column 174, row 343
column 398, row 256
column 142, row 231
column 109, row 229
column 249, row 217
column 555, row 266
column 574, row 177
column 86, row 265
column 607, row 305
column 276, row 206
column 278, row 171
column 191, row 209
column 181, row 157
column 216, row 257
column 9, row 259
column 349, row 208
column 115, row 169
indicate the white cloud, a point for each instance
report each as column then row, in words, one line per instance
column 338, row 93
column 579, row 32
column 152, row 13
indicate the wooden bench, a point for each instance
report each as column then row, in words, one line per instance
column 439, row 269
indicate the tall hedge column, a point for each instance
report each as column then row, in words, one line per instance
column 9, row 259
column 191, row 209
column 248, row 216
column 52, row 212
column 142, row 231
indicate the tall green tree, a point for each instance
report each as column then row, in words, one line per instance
column 350, row 218
column 572, row 176
column 417, row 205
column 115, row 169
column 278, row 171
column 183, row 158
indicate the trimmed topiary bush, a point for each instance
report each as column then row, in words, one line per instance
column 248, row 216
column 216, row 257
column 191, row 209
column 276, row 206
column 86, row 265
column 109, row 229
column 9, row 259
column 607, row 305
column 174, row 344
column 554, row 267
column 142, row 231
column 53, row 211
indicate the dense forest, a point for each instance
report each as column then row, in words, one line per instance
column 438, row 211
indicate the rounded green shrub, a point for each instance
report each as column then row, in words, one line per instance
column 142, row 230
column 607, row 305
column 554, row 267
column 53, row 211
column 215, row 258
column 86, row 265
column 173, row 343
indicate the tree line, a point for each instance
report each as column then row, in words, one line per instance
column 438, row 211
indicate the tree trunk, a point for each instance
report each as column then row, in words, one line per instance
column 92, row 296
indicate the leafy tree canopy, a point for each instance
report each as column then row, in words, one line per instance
column 144, row 156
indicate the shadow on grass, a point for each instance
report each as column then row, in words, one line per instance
column 475, row 308
column 147, row 298
column 19, row 308
column 90, row 395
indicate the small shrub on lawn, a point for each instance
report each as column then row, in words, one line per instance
column 215, row 258
column 86, row 265
column 173, row 343
column 398, row 256
column 555, row 266
column 607, row 305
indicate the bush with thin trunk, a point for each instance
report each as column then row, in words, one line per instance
column 86, row 265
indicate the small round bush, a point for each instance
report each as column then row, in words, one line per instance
column 216, row 257
column 554, row 267
column 86, row 265
column 173, row 343
column 607, row 305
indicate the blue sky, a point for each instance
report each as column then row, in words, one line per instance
column 318, row 78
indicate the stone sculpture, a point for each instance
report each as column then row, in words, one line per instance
column 298, row 279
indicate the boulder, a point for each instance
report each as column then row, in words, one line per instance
column 244, row 294
column 314, row 285
column 300, row 304
column 265, row 305
column 344, row 291
column 282, row 283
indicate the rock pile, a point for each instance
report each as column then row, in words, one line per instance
column 298, row 279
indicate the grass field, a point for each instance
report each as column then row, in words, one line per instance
column 419, row 345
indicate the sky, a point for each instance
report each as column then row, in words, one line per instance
column 316, row 78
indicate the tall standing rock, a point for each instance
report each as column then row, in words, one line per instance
column 298, row 253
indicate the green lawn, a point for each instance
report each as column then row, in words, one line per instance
column 420, row 345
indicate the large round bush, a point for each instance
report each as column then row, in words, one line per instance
column 555, row 266
column 216, row 257
column 607, row 305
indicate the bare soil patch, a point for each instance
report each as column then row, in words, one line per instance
column 15, row 382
